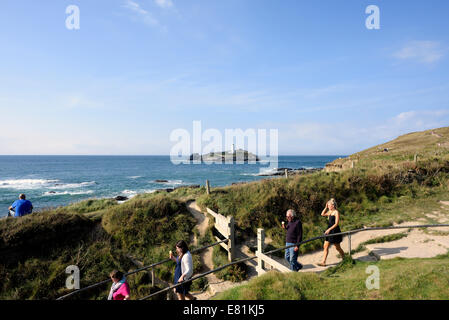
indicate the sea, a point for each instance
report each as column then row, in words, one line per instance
column 52, row 181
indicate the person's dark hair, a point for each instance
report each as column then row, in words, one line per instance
column 22, row 196
column 183, row 245
column 116, row 274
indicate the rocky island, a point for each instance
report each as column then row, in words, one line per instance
column 226, row 156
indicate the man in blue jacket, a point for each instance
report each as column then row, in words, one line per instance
column 21, row 207
column 294, row 235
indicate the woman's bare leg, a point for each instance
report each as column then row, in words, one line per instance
column 326, row 251
column 180, row 296
column 340, row 250
column 190, row 297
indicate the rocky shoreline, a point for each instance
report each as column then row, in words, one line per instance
column 277, row 172
column 290, row 171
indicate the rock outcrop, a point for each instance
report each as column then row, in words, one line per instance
column 226, row 156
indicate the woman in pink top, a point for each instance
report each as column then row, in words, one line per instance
column 119, row 289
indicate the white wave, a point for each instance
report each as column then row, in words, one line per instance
column 174, row 182
column 132, row 193
column 266, row 171
column 72, row 185
column 26, row 183
column 52, row 184
column 72, row 193
column 135, row 177
column 129, row 192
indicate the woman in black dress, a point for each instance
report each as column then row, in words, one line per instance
column 334, row 218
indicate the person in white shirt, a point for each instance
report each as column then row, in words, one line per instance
column 183, row 271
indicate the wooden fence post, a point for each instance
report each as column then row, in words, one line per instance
column 231, row 237
column 286, row 173
column 349, row 242
column 152, row 277
column 207, row 187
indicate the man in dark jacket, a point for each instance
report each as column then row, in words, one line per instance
column 294, row 235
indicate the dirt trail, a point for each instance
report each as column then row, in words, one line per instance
column 215, row 285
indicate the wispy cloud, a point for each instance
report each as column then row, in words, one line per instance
column 350, row 137
column 144, row 15
column 427, row 52
column 164, row 3
column 417, row 120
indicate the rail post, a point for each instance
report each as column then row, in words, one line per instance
column 286, row 173
column 260, row 247
column 349, row 243
column 152, row 277
column 231, row 237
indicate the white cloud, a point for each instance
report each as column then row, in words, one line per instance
column 135, row 7
column 427, row 52
column 350, row 137
column 144, row 15
column 419, row 120
column 164, row 3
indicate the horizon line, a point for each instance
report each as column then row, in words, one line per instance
column 149, row 155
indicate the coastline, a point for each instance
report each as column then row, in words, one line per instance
column 121, row 198
column 278, row 174
column 56, row 181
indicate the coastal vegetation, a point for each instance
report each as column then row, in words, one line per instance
column 364, row 199
column 36, row 249
column 378, row 189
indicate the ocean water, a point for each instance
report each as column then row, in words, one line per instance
column 51, row 181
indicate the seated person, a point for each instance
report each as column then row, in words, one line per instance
column 21, row 207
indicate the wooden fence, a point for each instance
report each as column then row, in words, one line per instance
column 225, row 226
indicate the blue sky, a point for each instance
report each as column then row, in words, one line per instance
column 136, row 70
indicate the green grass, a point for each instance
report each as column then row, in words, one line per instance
column 234, row 273
column 401, row 152
column 387, row 238
column 36, row 249
column 400, row 279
